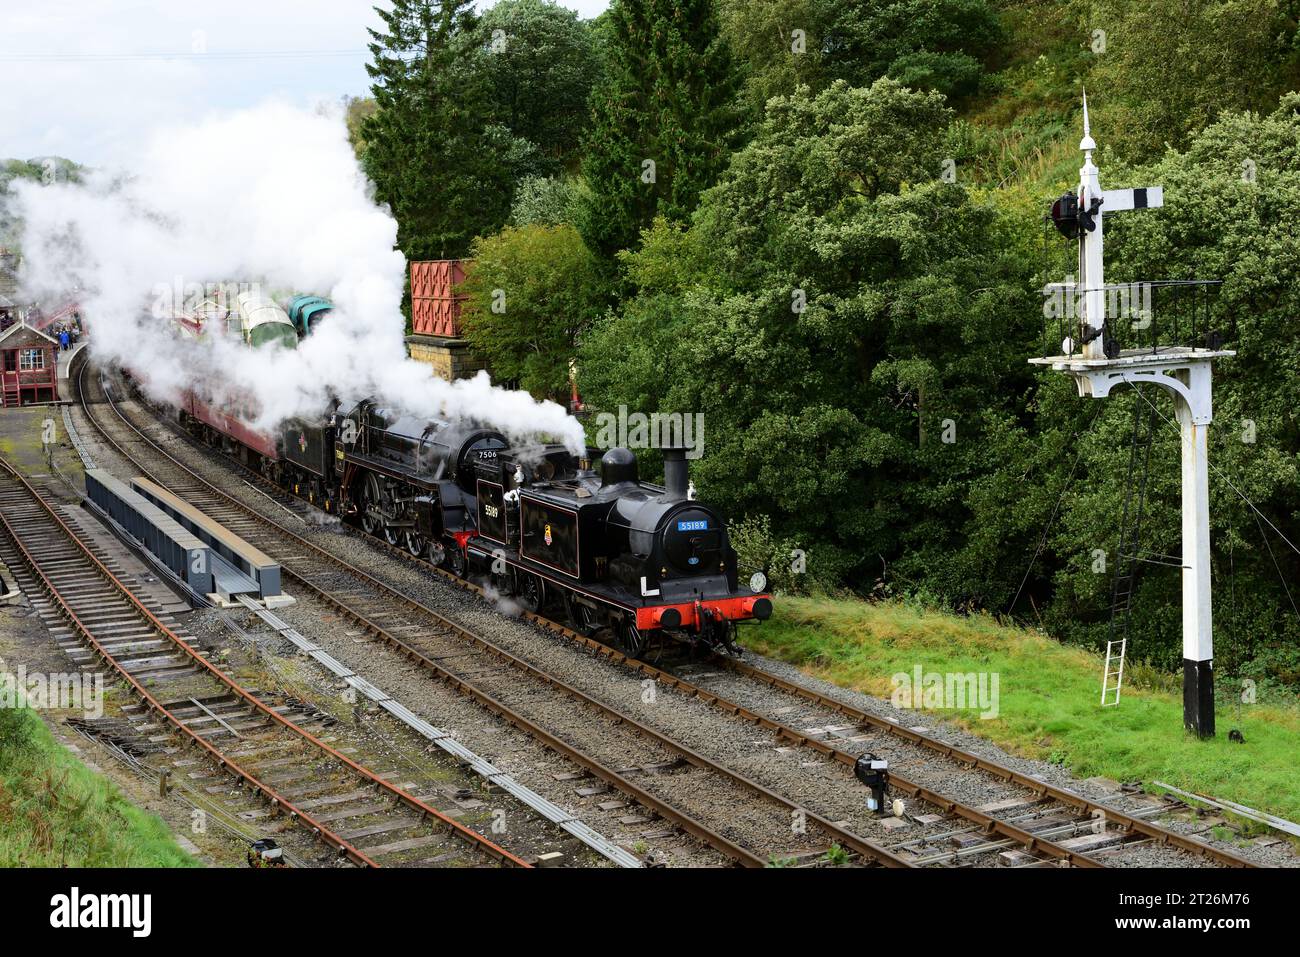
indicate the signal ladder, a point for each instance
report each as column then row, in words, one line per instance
column 1128, row 557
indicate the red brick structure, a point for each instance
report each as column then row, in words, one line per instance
column 28, row 366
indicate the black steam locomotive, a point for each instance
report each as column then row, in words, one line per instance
column 615, row 555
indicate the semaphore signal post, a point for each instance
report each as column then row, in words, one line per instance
column 1093, row 355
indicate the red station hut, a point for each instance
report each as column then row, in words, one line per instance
column 28, row 366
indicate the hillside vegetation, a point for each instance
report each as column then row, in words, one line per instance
column 56, row 812
column 819, row 224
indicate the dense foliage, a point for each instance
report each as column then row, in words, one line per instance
column 531, row 290
column 1230, row 55
column 540, row 63
column 848, row 324
column 837, row 262
column 431, row 149
column 928, row 44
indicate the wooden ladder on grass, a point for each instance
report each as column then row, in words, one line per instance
column 1112, row 655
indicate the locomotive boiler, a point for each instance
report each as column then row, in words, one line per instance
column 613, row 553
column 409, row 480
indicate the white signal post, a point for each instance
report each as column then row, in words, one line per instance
column 1092, row 267
column 1185, row 372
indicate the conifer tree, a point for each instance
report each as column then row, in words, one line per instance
column 663, row 119
column 431, row 150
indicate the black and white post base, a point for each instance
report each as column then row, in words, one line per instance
column 1198, row 697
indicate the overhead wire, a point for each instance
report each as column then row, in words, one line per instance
column 1059, row 499
column 195, row 55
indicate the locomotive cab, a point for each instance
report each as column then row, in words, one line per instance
column 412, row 480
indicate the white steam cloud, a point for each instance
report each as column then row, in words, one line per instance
column 271, row 195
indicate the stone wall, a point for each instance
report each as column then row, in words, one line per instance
column 449, row 358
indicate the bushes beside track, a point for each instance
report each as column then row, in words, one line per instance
column 56, row 812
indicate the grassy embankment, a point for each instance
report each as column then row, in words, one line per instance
column 1049, row 698
column 56, row 812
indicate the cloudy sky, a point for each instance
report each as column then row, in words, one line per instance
column 86, row 79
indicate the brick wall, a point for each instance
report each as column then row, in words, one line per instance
column 450, row 358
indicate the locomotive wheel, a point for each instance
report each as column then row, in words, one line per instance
column 456, row 562
column 437, row 554
column 584, row 619
column 415, row 543
column 529, row 590
column 370, row 500
column 631, row 640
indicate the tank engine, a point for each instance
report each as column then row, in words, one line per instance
column 609, row 550
column 618, row 558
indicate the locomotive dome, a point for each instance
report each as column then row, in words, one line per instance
column 617, row 465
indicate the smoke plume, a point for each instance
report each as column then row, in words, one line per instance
column 272, row 196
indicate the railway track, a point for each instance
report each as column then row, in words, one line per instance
column 367, row 820
column 1048, row 811
column 680, row 785
column 1035, row 820
column 1033, row 824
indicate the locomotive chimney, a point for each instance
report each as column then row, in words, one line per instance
column 676, row 477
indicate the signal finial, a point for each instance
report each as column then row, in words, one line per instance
column 1086, row 144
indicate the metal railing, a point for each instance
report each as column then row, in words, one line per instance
column 1144, row 316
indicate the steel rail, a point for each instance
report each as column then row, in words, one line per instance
column 985, row 821
column 320, row 830
column 688, row 823
column 783, row 731
column 444, row 740
column 1155, row 832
